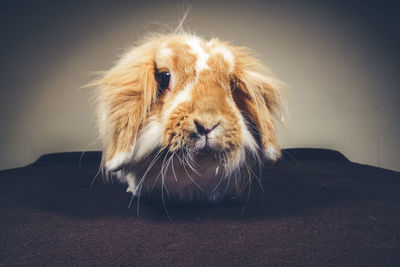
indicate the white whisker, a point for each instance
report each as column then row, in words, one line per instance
column 173, row 169
column 141, row 182
column 164, row 186
column 248, row 197
column 295, row 161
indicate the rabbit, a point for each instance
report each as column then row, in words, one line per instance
column 187, row 118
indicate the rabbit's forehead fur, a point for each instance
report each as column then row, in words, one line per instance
column 212, row 84
column 199, row 70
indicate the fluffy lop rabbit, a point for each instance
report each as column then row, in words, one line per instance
column 187, row 118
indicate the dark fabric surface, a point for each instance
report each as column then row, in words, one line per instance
column 319, row 209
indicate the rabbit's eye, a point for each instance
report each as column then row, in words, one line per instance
column 163, row 79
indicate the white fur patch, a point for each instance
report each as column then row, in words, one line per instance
column 148, row 139
column 200, row 144
column 228, row 57
column 118, row 160
column 271, row 153
column 164, row 52
column 198, row 51
column 182, row 96
column 248, row 139
column 249, row 142
column 131, row 181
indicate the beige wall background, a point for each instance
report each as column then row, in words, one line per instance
column 340, row 60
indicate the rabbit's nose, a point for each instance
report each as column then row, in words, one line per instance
column 202, row 130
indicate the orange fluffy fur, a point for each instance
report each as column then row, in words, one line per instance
column 214, row 84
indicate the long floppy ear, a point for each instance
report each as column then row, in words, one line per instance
column 258, row 95
column 126, row 93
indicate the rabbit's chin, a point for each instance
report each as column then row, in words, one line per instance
column 200, row 178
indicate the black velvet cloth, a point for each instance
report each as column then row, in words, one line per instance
column 318, row 209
